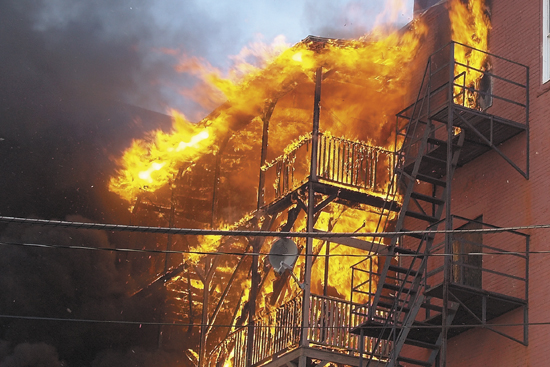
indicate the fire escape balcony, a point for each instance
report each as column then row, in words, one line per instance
column 489, row 275
column 277, row 336
column 489, row 278
column 490, row 104
column 354, row 171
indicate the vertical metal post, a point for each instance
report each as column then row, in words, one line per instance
column 327, row 260
column 527, row 120
column 327, row 255
column 315, row 131
column 268, row 111
column 255, row 281
column 304, row 342
column 448, row 219
column 167, row 258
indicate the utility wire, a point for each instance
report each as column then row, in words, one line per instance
column 249, row 233
column 61, row 319
column 233, row 253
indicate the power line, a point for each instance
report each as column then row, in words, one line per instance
column 249, row 233
column 233, row 253
column 154, row 323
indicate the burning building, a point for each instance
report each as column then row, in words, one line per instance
column 376, row 135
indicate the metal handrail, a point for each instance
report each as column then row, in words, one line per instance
column 341, row 161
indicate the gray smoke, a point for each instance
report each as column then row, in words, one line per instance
column 79, row 80
column 69, row 284
column 26, row 354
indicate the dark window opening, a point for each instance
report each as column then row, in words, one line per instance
column 467, row 258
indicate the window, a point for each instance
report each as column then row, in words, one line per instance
column 467, row 261
column 545, row 41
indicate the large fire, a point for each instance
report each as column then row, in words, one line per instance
column 367, row 73
column 365, row 82
column 470, row 26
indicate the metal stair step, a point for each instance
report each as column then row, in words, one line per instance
column 434, row 159
column 414, row 361
column 421, row 177
column 420, row 236
column 441, row 143
column 406, row 251
column 386, row 305
column 421, row 344
column 421, row 216
column 430, row 179
column 427, row 198
column 402, row 270
column 397, row 288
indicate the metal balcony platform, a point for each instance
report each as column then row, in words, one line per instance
column 483, row 132
column 485, row 305
column 292, row 358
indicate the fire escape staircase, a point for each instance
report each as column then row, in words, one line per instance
column 394, row 306
column 438, row 136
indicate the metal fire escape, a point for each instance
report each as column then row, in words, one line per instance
column 450, row 124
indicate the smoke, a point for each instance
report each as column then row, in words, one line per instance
column 70, row 284
column 79, row 80
column 354, row 19
column 72, row 75
column 26, row 354
column 66, row 81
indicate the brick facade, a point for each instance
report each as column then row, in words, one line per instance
column 490, row 187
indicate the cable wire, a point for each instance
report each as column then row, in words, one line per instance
column 235, row 253
column 61, row 319
column 249, row 233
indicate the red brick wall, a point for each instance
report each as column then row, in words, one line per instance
column 490, row 187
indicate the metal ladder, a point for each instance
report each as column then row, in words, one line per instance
column 394, row 306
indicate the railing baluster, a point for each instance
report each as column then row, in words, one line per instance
column 339, row 177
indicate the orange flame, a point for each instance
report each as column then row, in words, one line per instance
column 470, row 26
column 150, row 164
column 370, row 65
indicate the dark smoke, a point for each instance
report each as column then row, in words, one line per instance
column 71, row 76
column 26, row 354
column 78, row 81
column 68, row 284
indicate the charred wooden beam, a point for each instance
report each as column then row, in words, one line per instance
column 345, row 195
column 374, row 247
